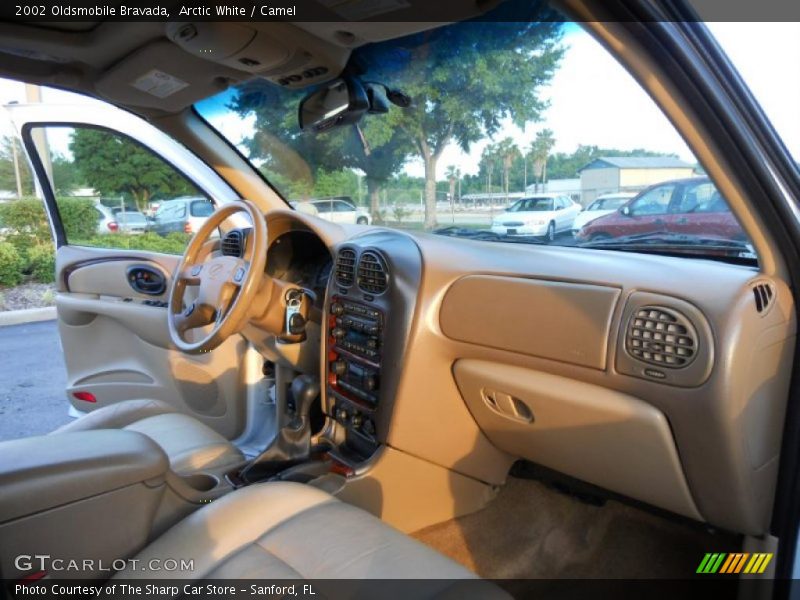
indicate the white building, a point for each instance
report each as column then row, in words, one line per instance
column 609, row 174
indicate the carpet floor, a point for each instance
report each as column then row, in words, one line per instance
column 532, row 531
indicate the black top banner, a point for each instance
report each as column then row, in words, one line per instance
column 87, row 14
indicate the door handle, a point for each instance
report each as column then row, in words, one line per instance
column 507, row 405
column 147, row 280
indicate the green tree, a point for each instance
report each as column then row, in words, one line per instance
column 465, row 83
column 66, row 176
column 295, row 161
column 116, row 166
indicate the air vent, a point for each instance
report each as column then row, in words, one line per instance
column 763, row 294
column 662, row 337
column 346, row 267
column 231, row 244
column 371, row 273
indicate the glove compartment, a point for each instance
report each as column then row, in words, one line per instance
column 607, row 438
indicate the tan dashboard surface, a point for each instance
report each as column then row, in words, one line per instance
column 561, row 321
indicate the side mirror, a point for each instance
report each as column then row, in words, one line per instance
column 625, row 210
column 339, row 102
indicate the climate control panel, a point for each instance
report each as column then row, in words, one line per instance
column 355, row 344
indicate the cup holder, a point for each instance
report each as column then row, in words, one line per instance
column 202, row 482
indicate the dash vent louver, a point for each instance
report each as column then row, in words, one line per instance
column 661, row 336
column 232, row 244
column 763, row 294
column 345, row 270
column 372, row 276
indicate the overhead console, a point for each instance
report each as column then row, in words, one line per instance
column 280, row 52
column 370, row 303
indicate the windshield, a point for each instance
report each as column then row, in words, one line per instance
column 500, row 112
column 532, row 205
column 130, row 217
column 608, row 204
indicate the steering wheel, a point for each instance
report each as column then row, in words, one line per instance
column 227, row 285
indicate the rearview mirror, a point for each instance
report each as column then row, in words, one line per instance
column 625, row 210
column 340, row 102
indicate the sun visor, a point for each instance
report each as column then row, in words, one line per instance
column 161, row 75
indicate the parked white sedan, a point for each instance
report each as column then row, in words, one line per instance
column 543, row 215
column 337, row 210
column 602, row 205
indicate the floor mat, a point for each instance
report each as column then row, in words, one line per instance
column 533, row 531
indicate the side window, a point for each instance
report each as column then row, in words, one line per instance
column 653, row 202
column 340, row 206
column 90, row 166
column 700, row 198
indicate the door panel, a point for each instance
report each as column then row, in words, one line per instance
column 117, row 346
column 115, row 338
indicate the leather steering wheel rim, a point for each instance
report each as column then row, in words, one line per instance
column 227, row 285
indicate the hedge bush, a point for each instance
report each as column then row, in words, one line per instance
column 78, row 216
column 28, row 249
column 174, row 243
column 42, row 263
column 27, row 218
column 11, row 264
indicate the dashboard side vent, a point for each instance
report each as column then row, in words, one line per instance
column 345, row 269
column 372, row 277
column 232, row 244
column 661, row 336
column 764, row 295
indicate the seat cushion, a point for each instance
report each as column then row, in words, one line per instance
column 190, row 445
column 285, row 530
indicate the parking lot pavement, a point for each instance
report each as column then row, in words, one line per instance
column 32, row 380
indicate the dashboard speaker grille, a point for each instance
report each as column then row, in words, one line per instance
column 231, row 244
column 661, row 336
column 345, row 269
column 372, row 276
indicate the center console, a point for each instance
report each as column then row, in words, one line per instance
column 369, row 306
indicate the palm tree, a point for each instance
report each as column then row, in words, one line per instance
column 507, row 151
column 488, row 160
column 540, row 151
column 453, row 175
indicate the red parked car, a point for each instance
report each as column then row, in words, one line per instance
column 678, row 207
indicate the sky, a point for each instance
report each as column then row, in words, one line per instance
column 593, row 100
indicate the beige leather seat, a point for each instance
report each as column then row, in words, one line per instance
column 287, row 530
column 190, row 445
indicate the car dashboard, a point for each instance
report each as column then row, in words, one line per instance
column 605, row 366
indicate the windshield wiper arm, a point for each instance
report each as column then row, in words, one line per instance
column 667, row 240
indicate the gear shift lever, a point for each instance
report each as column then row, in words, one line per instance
column 292, row 444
